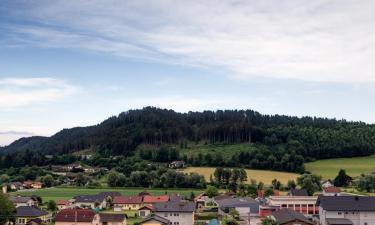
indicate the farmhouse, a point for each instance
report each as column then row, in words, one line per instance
column 22, row 201
column 288, row 217
column 75, row 216
column 26, row 213
column 355, row 210
column 176, row 212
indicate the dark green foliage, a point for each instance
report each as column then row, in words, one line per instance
column 7, row 210
column 281, row 142
column 366, row 183
column 342, row 179
column 52, row 206
column 310, row 182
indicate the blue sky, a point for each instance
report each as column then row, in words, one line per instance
column 75, row 63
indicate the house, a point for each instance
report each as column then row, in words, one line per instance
column 110, row 219
column 244, row 206
column 16, row 186
column 127, row 203
column 36, row 221
column 149, row 199
column 37, row 185
column 75, row 216
column 145, row 211
column 332, row 191
column 290, row 217
column 22, row 201
column 27, row 213
column 156, row 220
column 176, row 164
column 28, row 184
column 178, row 213
column 63, row 204
column 298, row 192
column 326, row 184
column 303, row 204
column 95, row 201
column 354, row 210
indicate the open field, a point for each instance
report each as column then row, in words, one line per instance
column 68, row 193
column 329, row 168
column 259, row 175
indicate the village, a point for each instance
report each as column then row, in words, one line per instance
column 330, row 207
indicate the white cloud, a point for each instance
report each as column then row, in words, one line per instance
column 20, row 92
column 7, row 137
column 293, row 39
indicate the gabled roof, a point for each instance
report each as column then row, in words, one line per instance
column 155, row 199
column 332, row 190
column 112, row 217
column 286, row 215
column 157, row 218
column 239, row 202
column 29, row 211
column 346, row 203
column 20, row 199
column 339, row 221
column 127, row 200
column 298, row 192
column 89, row 198
column 149, row 207
column 72, row 215
column 174, row 207
column 62, row 202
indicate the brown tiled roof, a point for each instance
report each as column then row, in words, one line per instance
column 283, row 216
column 72, row 215
column 127, row 200
column 332, row 189
column 112, row 217
column 62, row 202
column 155, row 199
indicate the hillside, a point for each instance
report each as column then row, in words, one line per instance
column 267, row 141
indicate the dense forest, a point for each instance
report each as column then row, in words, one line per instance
column 282, row 142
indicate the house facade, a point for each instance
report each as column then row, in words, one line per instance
column 245, row 206
column 303, row 204
column 25, row 214
column 121, row 203
column 355, row 210
column 22, row 201
column 145, row 211
column 110, row 219
column 178, row 213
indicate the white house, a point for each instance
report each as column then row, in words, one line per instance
column 178, row 213
column 346, row 210
column 326, row 184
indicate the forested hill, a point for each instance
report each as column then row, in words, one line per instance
column 311, row 138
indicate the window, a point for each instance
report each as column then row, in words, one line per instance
column 165, row 214
column 339, row 213
column 365, row 223
column 142, row 213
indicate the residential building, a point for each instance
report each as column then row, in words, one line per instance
column 22, row 201
column 332, row 191
column 245, row 206
column 176, row 164
column 354, row 210
column 110, row 219
column 145, row 211
column 94, row 201
column 27, row 213
column 326, row 184
column 75, row 217
column 37, row 185
column 290, row 217
column 63, row 204
column 155, row 220
column 16, row 186
column 178, row 213
column 28, row 184
column 127, row 203
column 303, row 204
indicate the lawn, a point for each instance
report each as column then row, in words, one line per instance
column 329, row 168
column 68, row 193
column 265, row 176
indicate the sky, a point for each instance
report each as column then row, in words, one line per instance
column 74, row 63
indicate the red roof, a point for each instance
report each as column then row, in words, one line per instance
column 127, row 200
column 72, row 215
column 332, row 190
column 63, row 202
column 155, row 199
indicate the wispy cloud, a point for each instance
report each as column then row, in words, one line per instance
column 319, row 40
column 19, row 92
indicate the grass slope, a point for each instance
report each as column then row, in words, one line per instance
column 329, row 168
column 68, row 193
column 225, row 150
column 259, row 175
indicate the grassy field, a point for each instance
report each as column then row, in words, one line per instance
column 259, row 175
column 68, row 193
column 328, row 168
column 225, row 150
